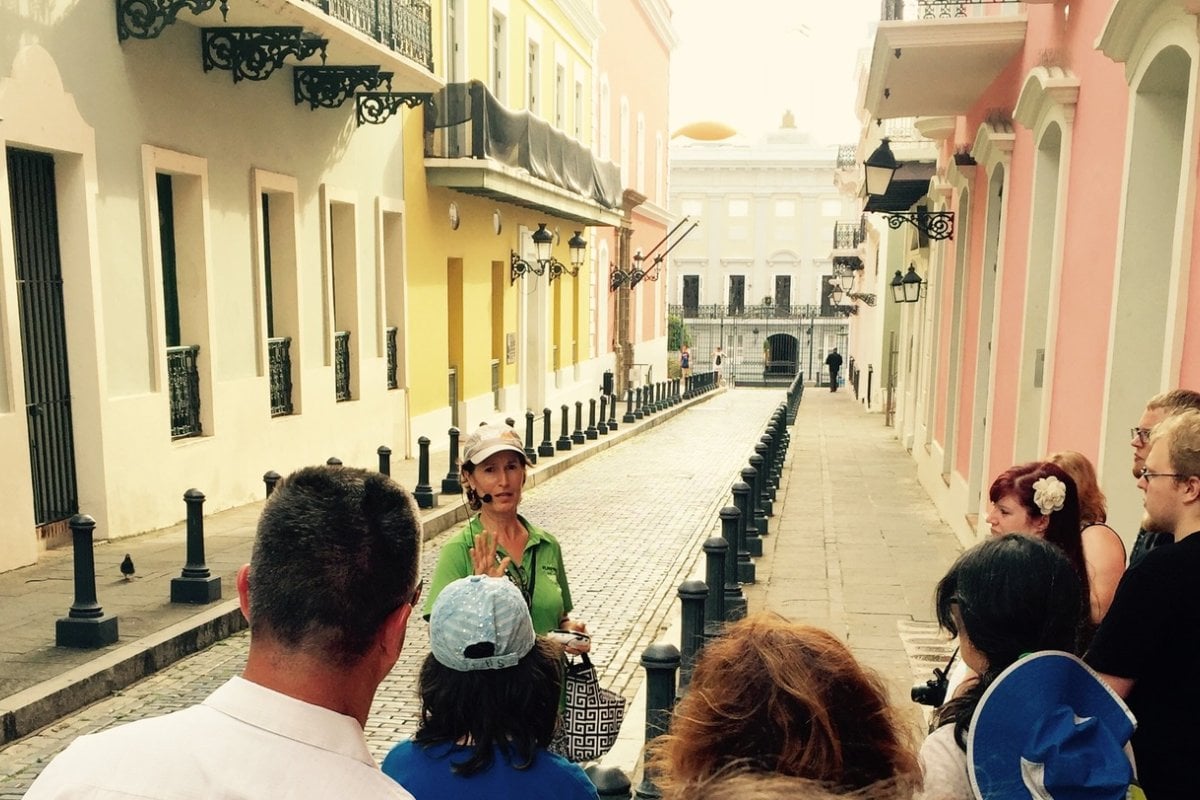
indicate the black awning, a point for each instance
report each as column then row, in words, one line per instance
column 909, row 184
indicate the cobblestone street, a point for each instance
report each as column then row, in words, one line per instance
column 630, row 520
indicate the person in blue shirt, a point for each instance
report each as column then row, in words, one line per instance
column 489, row 693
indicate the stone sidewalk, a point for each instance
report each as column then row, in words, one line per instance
column 855, row 546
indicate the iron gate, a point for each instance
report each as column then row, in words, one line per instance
column 762, row 345
column 43, row 334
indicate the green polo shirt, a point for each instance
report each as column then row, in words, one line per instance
column 551, row 595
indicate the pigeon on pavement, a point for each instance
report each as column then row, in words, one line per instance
column 127, row 567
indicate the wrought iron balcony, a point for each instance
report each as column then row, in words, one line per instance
column 895, row 10
column 183, row 381
column 279, row 361
column 341, row 365
column 849, row 235
column 847, row 156
column 403, row 26
column 721, row 311
column 393, row 360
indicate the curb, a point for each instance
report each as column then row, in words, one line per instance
column 47, row 702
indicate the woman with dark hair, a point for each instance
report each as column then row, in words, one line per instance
column 500, row 542
column 772, row 696
column 1040, row 499
column 489, row 704
column 1103, row 550
column 1003, row 598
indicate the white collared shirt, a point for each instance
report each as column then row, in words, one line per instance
column 244, row 741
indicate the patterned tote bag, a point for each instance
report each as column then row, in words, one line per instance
column 592, row 715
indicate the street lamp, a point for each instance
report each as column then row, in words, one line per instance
column 543, row 245
column 906, row 288
column 878, row 171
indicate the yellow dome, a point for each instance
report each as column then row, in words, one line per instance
column 706, row 130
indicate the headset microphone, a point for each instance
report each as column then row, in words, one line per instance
column 485, row 498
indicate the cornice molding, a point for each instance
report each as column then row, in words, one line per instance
column 1047, row 91
column 659, row 14
column 1130, row 24
column 993, row 144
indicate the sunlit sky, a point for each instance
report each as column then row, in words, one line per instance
column 745, row 62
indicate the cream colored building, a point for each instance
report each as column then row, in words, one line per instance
column 201, row 254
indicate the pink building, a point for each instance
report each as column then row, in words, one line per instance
column 1064, row 145
column 632, row 75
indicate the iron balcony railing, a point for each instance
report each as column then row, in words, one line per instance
column 279, row 366
column 764, row 311
column 341, row 365
column 849, row 235
column 183, row 380
column 393, row 380
column 847, row 156
column 403, row 26
column 895, row 10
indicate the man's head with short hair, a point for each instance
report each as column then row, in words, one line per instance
column 1171, row 478
column 336, row 553
column 1159, row 407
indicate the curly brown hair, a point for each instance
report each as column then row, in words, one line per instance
column 771, row 695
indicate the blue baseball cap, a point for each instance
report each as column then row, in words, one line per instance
column 480, row 622
column 1049, row 728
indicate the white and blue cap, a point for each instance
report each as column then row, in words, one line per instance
column 1048, row 728
column 480, row 623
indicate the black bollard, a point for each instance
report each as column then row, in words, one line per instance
column 86, row 624
column 602, row 422
column 270, row 478
column 546, row 448
column 333, row 461
column 735, row 601
column 745, row 567
column 385, row 459
column 764, row 477
column 714, row 577
column 423, row 493
column 756, row 500
column 660, row 661
column 612, row 412
column 564, row 437
column 510, row 422
column 629, row 415
column 741, row 499
column 692, row 596
column 577, row 435
column 450, row 483
column 530, row 453
column 610, row 782
column 592, row 431
column 195, row 583
column 639, row 405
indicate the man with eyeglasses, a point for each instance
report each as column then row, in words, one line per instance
column 328, row 593
column 1159, row 408
column 1147, row 648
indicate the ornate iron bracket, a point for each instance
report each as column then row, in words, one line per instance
column 331, row 87
column 937, row 225
column 376, row 108
column 254, row 53
column 146, row 19
column 557, row 269
column 519, row 266
column 863, row 297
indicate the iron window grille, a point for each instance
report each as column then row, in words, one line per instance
column 341, row 365
column 393, row 381
column 279, row 360
column 183, row 380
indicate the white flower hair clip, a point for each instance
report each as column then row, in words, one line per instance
column 1049, row 494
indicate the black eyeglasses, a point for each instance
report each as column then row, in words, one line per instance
column 1141, row 434
column 1147, row 474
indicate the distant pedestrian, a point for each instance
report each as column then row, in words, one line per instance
column 783, row 698
column 489, row 704
column 834, row 362
column 718, row 363
column 1147, row 648
column 328, row 593
column 685, row 361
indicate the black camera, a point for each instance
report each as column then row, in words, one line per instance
column 933, row 691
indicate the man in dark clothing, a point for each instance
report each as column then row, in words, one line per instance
column 834, row 362
column 1158, row 408
column 1146, row 648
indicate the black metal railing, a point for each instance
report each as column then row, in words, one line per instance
column 183, row 380
column 403, row 26
column 894, row 10
column 847, row 155
column 392, row 360
column 279, row 367
column 341, row 365
column 721, row 311
column 848, row 235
